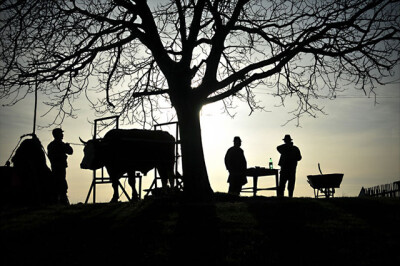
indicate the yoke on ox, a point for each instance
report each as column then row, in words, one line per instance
column 127, row 151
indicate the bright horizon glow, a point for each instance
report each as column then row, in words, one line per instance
column 357, row 138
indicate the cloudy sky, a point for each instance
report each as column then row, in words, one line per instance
column 356, row 137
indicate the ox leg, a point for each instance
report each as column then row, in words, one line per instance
column 166, row 175
column 171, row 178
column 163, row 176
column 132, row 183
column 115, row 183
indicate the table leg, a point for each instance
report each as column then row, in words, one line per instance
column 277, row 183
column 255, row 181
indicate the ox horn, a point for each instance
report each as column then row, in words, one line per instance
column 84, row 142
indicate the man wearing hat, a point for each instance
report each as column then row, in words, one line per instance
column 290, row 155
column 57, row 151
column 236, row 164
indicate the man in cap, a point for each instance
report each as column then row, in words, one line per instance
column 290, row 155
column 236, row 164
column 57, row 151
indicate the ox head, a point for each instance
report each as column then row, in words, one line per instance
column 91, row 155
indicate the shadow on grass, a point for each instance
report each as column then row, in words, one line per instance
column 226, row 231
column 333, row 231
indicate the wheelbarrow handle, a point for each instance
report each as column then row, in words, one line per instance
column 319, row 168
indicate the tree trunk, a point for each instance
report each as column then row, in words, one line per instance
column 196, row 182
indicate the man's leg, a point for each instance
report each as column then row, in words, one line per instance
column 292, row 181
column 234, row 188
column 282, row 183
column 61, row 186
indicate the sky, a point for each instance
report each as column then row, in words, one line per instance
column 357, row 137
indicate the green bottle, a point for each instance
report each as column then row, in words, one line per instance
column 271, row 165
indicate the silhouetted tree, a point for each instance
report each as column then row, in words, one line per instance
column 145, row 54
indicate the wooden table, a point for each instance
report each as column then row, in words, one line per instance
column 255, row 172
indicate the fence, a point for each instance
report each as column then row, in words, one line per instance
column 387, row 190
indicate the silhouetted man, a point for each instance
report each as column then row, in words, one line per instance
column 290, row 155
column 57, row 151
column 236, row 164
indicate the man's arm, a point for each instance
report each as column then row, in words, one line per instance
column 281, row 148
column 68, row 149
column 298, row 154
column 227, row 160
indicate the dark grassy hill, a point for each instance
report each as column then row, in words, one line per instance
column 249, row 231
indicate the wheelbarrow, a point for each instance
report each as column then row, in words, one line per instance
column 325, row 184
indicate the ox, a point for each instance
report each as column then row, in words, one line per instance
column 126, row 151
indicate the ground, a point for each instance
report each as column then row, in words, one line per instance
column 224, row 231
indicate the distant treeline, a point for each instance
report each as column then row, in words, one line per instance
column 386, row 190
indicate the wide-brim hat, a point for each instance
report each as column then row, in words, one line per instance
column 287, row 137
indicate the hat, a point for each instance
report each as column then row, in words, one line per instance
column 57, row 131
column 287, row 138
column 236, row 139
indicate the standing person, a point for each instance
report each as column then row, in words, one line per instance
column 290, row 155
column 57, row 151
column 236, row 164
